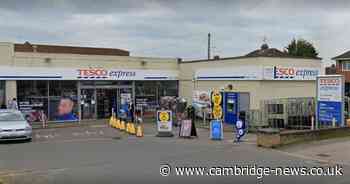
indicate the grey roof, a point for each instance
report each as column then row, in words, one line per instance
column 268, row 52
column 342, row 56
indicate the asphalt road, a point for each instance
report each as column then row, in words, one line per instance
column 100, row 154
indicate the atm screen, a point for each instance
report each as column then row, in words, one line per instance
column 231, row 106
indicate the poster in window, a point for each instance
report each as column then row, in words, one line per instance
column 63, row 109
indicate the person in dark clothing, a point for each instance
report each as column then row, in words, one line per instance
column 191, row 115
column 132, row 112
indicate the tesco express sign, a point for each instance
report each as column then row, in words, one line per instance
column 293, row 73
column 93, row 73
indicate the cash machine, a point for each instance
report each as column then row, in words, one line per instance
column 230, row 107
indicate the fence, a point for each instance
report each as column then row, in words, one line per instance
column 288, row 113
column 291, row 113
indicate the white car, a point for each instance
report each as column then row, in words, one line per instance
column 13, row 126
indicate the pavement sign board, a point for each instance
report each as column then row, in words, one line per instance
column 216, row 130
column 186, row 127
column 164, row 123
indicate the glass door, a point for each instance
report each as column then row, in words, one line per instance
column 124, row 99
column 88, row 104
column 106, row 100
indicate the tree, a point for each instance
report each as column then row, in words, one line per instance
column 301, row 48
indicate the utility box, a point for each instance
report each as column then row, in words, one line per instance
column 230, row 107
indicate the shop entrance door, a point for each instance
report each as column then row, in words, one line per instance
column 106, row 100
column 124, row 99
column 88, row 104
column 97, row 103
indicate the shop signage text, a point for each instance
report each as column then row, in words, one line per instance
column 44, row 73
column 258, row 73
column 103, row 73
column 295, row 73
column 330, row 105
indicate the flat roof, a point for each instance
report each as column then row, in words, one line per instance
column 60, row 49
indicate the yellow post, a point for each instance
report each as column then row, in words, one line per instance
column 111, row 121
column 132, row 129
column 117, row 124
column 127, row 127
column 122, row 125
column 139, row 131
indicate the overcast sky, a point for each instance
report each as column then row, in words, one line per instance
column 178, row 28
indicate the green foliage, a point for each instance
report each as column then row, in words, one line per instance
column 301, row 48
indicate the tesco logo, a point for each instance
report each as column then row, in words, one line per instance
column 92, row 73
column 291, row 73
column 285, row 71
column 330, row 81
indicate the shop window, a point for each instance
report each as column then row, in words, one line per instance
column 63, row 101
column 168, row 88
column 87, row 83
column 149, row 93
column 33, row 99
column 146, row 96
column 106, row 83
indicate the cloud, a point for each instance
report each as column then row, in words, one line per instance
column 178, row 28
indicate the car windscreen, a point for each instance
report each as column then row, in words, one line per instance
column 10, row 116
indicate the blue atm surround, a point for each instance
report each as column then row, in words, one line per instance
column 230, row 107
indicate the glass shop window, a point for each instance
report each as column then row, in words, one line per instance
column 32, row 99
column 63, row 101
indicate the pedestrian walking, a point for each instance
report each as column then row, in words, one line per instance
column 12, row 104
column 43, row 118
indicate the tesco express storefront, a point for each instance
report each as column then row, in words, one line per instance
column 74, row 94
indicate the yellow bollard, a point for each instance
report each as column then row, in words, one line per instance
column 132, row 129
column 139, row 131
column 128, row 127
column 111, row 121
column 122, row 125
column 117, row 124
